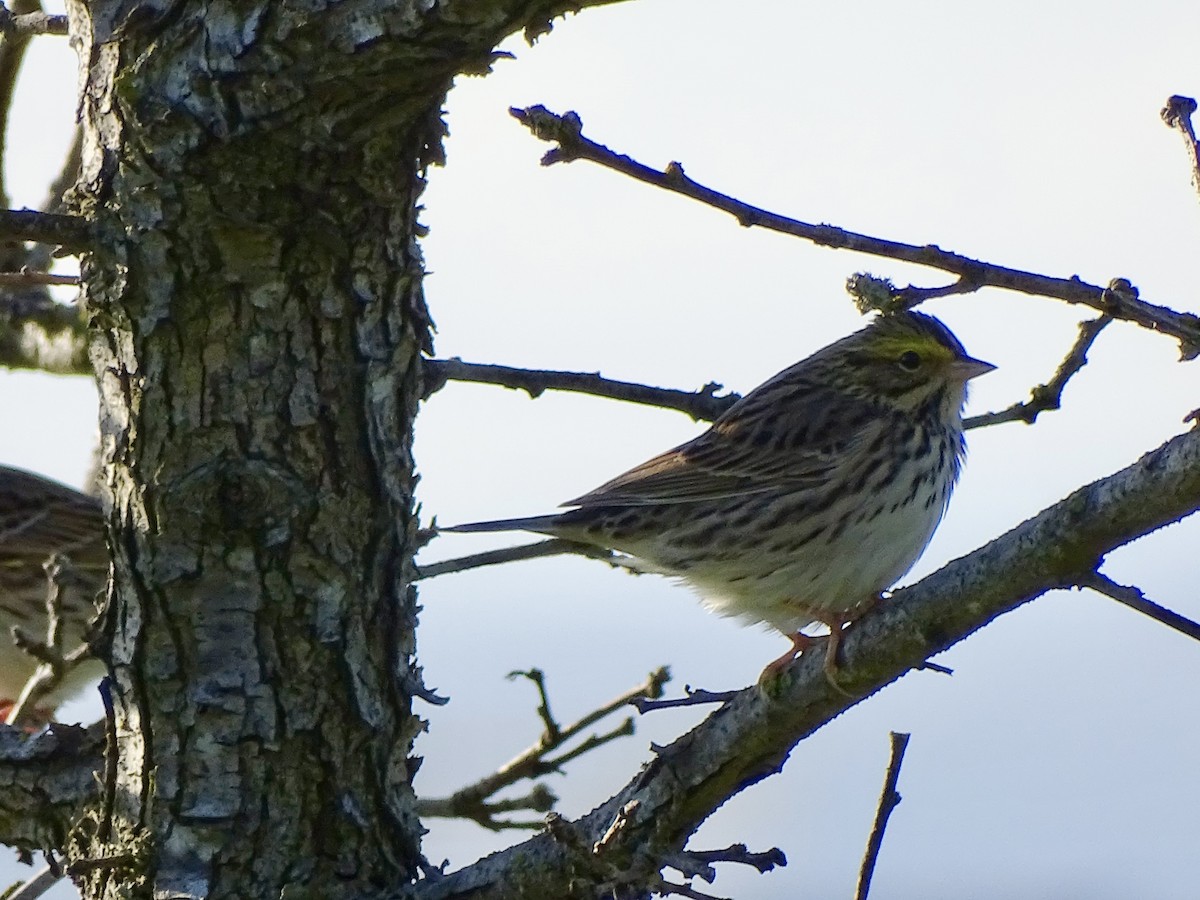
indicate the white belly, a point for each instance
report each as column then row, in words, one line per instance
column 790, row 585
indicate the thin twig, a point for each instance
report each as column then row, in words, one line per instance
column 1178, row 115
column 889, row 799
column 691, row 697
column 667, row 888
column 552, row 735
column 28, row 277
column 41, row 882
column 1049, row 395
column 703, row 404
column 49, row 654
column 566, row 130
column 552, row 547
column 928, row 666
column 1134, row 599
column 706, row 405
column 472, row 802
column 698, row 863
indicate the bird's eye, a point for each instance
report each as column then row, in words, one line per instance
column 910, row 360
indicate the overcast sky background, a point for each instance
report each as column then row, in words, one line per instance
column 1059, row 761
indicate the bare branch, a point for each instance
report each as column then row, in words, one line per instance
column 36, row 886
column 698, row 863
column 552, row 733
column 69, row 232
column 691, row 697
column 889, row 799
column 30, row 24
column 54, row 663
column 748, row 738
column 472, row 802
column 27, row 277
column 703, row 404
column 1134, row 599
column 1049, row 395
column 48, row 777
column 566, row 131
column 668, row 888
column 706, row 405
column 552, row 547
column 1178, row 115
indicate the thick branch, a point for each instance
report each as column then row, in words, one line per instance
column 45, row 781
column 30, row 24
column 566, row 130
column 29, row 277
column 69, row 232
column 749, row 738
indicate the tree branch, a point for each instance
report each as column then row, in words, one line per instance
column 566, row 131
column 472, row 801
column 704, row 404
column 552, row 547
column 34, row 887
column 28, row 277
column 1049, row 395
column 30, row 24
column 69, row 232
column 1134, row 599
column 889, row 799
column 1178, row 115
column 45, row 780
column 748, row 738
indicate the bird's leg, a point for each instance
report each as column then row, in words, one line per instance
column 832, row 645
column 775, row 668
column 836, row 622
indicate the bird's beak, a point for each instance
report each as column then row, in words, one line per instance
column 967, row 368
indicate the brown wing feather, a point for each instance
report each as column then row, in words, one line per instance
column 39, row 517
column 787, row 434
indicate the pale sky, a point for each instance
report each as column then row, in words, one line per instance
column 1059, row 760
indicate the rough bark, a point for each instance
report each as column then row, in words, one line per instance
column 43, row 782
column 252, row 173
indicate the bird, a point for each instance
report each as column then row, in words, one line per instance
column 40, row 519
column 808, row 497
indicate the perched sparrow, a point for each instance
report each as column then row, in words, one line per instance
column 809, row 496
column 38, row 519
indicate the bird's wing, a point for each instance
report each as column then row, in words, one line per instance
column 776, row 438
column 39, row 517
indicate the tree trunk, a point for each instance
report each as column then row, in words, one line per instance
column 255, row 298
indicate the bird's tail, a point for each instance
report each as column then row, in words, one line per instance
column 539, row 524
